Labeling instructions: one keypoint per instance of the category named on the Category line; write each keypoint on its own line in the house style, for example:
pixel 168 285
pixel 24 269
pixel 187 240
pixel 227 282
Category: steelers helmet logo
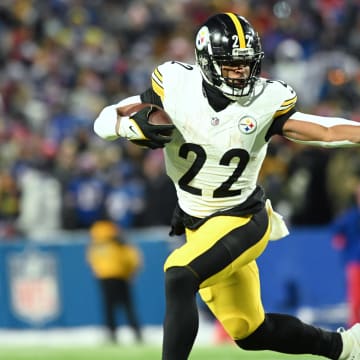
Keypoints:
pixel 247 125
pixel 202 38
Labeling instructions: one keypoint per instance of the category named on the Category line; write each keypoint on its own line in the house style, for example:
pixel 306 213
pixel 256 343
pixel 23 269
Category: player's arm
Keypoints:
pixel 321 131
pixel 107 124
pixel 112 123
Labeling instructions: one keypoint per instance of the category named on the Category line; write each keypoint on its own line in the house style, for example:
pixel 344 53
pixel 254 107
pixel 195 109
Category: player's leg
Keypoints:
pixel 206 258
pixel 287 334
pixel 109 294
pixel 181 316
pixel 236 303
pixel 130 310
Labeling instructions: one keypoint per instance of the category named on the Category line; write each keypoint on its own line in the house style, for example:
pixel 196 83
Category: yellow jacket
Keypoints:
pixel 108 257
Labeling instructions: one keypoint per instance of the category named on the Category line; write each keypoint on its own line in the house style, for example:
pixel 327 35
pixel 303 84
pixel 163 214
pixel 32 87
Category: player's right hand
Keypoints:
pixel 146 134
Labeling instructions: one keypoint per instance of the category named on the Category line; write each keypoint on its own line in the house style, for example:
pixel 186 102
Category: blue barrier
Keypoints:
pixel 305 263
pixel 46 285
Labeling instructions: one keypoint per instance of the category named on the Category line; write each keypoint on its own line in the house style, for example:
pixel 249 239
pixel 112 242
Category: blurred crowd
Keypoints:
pixel 63 60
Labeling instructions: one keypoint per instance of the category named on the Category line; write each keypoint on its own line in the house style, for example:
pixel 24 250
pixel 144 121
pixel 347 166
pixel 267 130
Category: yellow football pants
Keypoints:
pixel 233 293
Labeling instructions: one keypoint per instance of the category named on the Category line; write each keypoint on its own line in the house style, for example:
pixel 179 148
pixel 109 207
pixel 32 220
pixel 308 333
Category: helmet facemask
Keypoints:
pixel 232 86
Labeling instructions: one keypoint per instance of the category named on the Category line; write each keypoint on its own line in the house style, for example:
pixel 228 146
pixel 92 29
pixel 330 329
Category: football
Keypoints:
pixel 157 117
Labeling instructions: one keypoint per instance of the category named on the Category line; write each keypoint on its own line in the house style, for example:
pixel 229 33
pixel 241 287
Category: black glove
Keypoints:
pixel 152 136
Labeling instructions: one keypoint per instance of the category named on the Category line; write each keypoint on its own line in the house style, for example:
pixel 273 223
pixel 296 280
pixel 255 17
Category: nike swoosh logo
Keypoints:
pixel 133 129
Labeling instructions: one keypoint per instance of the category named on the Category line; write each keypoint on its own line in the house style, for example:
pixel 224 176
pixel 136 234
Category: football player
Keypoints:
pixel 224 115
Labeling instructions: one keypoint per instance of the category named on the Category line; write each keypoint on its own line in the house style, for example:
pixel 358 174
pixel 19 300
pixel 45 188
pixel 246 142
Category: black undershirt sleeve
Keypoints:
pixel 278 123
pixel 150 96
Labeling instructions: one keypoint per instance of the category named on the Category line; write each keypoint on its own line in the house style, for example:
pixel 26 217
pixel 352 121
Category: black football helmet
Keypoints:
pixel 228 39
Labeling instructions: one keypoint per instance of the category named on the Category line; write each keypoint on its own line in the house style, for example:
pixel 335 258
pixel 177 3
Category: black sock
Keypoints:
pixel 181 318
pixel 287 334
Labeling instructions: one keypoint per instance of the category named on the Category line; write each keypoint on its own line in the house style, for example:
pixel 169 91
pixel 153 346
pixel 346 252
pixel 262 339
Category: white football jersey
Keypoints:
pixel 215 157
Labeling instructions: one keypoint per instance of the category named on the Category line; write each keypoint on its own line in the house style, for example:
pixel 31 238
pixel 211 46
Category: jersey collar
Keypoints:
pixel 215 97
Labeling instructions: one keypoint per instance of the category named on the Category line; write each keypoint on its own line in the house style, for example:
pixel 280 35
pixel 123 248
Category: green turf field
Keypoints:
pixel 108 352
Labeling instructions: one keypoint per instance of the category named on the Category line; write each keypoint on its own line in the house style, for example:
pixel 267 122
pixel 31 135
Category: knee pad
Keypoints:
pixel 179 280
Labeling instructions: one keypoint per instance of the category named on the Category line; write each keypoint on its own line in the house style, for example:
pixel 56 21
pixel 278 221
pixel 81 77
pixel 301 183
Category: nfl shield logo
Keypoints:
pixel 215 121
pixel 34 286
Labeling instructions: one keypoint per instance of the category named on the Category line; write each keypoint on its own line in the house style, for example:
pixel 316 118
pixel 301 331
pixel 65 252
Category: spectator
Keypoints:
pixel 114 264
pixel 9 204
pixel 342 187
pixel 85 195
pixel 40 200
pixel 311 203
pixel 160 195
pixel 125 199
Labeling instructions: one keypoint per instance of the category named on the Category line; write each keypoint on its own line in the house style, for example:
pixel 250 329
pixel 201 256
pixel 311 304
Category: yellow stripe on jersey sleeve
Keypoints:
pixel 157 83
pixel 289 102
pixel 286 106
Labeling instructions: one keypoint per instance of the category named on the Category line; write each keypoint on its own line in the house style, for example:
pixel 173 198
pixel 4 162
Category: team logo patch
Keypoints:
pixel 202 38
pixel 247 125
